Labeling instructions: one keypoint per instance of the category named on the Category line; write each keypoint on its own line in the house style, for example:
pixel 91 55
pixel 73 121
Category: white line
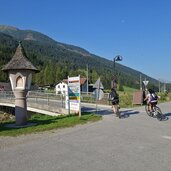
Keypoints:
pixel 167 137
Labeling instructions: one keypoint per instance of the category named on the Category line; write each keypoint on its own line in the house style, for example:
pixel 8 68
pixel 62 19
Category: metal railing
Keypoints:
pixel 49 101
pixel 36 99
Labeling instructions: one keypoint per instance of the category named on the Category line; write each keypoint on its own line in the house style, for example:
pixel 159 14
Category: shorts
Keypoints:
pixel 152 102
pixel 115 102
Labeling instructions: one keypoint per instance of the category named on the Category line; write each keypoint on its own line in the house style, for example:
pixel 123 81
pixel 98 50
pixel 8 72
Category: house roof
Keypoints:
pixel 82 81
pixel 19 61
pixel 61 82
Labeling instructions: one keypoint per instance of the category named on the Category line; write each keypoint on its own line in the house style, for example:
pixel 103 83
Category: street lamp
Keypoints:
pixel 116 58
pixel 114 81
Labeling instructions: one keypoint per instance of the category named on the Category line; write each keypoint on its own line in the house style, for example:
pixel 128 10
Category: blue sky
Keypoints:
pixel 139 30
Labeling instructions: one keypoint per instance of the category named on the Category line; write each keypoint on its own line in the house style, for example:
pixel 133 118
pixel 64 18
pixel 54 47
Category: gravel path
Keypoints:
pixel 134 143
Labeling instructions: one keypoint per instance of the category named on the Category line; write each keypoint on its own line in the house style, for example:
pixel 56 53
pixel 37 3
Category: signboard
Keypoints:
pixel 138 97
pixel 145 82
pixel 74 94
pixel 98 93
pixel 98 84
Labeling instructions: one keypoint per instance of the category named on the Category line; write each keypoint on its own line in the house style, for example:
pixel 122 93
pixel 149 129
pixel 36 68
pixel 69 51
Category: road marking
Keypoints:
pixel 167 137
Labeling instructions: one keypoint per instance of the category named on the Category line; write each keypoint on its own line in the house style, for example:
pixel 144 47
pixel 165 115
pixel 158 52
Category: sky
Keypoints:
pixel 138 30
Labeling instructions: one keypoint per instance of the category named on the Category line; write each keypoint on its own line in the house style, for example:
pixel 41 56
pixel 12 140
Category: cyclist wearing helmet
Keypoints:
pixel 151 99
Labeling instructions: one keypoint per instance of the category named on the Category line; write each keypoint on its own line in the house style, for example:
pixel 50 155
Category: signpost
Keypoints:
pixel 74 94
pixel 145 83
pixel 98 92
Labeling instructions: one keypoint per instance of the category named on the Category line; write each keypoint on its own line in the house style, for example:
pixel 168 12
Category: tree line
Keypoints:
pixel 57 62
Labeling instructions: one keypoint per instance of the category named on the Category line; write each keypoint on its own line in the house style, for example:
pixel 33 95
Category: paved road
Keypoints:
pixel 134 143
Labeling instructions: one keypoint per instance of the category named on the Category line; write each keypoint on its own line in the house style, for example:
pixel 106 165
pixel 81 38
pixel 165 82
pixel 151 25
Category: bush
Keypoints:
pixel 164 97
pixel 121 88
pixel 125 99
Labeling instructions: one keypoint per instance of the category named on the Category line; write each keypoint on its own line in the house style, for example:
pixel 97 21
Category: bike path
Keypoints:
pixel 135 143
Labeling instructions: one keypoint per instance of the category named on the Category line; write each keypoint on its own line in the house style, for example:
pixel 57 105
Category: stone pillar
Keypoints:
pixel 20 71
pixel 20 107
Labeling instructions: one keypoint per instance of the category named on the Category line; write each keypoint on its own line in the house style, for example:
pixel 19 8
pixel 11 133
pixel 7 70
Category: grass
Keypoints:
pixel 45 123
pixel 129 89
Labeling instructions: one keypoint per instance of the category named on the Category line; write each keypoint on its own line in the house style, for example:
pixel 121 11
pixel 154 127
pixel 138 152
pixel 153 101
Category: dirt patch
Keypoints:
pixel 5 116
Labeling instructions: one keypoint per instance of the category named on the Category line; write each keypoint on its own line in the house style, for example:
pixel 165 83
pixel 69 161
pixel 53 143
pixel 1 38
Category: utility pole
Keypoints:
pixel 140 82
pixel 159 87
pixel 164 87
pixel 87 78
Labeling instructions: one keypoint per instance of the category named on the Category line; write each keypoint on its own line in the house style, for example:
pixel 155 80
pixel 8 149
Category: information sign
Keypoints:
pixel 74 94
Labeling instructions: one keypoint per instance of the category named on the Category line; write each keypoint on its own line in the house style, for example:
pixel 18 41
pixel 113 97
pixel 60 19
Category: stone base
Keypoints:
pixel 19 126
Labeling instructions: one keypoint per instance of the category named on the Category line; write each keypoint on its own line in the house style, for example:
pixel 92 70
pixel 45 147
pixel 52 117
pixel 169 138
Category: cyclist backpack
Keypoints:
pixel 113 95
pixel 154 97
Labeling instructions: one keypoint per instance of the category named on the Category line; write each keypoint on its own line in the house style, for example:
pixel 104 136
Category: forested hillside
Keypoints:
pixel 57 60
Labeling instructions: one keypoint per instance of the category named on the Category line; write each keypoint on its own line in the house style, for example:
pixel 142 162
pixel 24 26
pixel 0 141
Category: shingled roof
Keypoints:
pixel 19 61
pixel 82 81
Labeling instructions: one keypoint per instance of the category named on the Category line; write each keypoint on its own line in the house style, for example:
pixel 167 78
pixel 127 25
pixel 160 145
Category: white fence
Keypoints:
pixel 49 101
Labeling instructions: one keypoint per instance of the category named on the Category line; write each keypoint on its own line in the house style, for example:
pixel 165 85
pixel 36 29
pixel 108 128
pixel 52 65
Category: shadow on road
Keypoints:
pixel 130 112
pixel 127 113
pixel 99 111
pixel 167 114
pixel 124 113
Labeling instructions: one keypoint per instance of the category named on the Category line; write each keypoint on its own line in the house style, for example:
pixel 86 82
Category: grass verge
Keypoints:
pixel 45 122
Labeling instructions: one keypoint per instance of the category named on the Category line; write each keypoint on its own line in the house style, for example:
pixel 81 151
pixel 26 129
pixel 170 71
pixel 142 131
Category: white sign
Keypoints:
pixel 98 93
pixel 145 82
pixel 74 94
pixel 98 84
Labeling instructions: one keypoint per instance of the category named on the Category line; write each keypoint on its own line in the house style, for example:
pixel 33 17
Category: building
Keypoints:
pixel 5 86
pixel 62 86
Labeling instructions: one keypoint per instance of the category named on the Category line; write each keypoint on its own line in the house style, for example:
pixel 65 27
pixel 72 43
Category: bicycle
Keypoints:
pixel 156 111
pixel 118 114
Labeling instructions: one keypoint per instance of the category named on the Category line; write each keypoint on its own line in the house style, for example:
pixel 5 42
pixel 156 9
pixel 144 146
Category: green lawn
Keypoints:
pixel 129 89
pixel 45 122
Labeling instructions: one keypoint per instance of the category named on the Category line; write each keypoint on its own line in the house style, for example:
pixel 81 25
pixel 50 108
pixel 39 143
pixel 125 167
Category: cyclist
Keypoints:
pixel 114 97
pixel 151 99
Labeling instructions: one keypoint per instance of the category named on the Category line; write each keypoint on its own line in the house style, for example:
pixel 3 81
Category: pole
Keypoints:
pixel 114 67
pixel 117 58
pixel 68 98
pixel 79 98
pixel 140 82
pixel 98 91
pixel 87 78
pixel 145 85
pixel 114 78
pixel 164 87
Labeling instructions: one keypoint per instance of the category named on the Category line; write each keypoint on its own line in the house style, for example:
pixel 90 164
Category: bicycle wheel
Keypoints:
pixel 159 113
pixel 147 111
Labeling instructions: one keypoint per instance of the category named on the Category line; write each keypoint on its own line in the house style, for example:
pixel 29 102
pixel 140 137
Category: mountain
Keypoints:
pixel 39 37
pixel 57 60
